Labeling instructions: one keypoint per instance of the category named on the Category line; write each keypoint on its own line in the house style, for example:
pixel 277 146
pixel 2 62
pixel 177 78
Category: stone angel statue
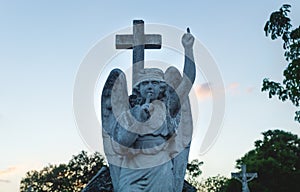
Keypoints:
pixel 147 134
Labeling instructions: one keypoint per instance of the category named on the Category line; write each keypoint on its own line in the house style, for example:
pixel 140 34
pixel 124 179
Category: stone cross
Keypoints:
pixel 138 41
pixel 244 178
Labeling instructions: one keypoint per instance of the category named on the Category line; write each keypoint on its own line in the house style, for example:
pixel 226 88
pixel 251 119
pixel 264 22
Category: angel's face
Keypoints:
pixel 150 89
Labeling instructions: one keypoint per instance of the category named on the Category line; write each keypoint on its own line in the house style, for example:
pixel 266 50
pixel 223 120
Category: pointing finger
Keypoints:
pixel 188 30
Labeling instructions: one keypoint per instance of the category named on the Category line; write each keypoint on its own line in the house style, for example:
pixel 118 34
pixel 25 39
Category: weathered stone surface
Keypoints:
pixel 147 135
pixel 244 178
pixel 102 182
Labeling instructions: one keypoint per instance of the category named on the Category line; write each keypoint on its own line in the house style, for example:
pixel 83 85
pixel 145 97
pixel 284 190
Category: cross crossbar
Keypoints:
pixel 138 41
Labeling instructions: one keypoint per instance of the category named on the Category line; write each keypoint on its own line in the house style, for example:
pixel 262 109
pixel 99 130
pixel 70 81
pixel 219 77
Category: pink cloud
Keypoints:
pixel 250 89
pixel 235 89
pixel 8 170
pixel 233 86
pixel 203 91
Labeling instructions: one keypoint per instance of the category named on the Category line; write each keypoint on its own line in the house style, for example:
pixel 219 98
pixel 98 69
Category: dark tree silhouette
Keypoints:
pixel 276 159
pixel 64 177
pixel 78 172
pixel 279 26
pixel 216 184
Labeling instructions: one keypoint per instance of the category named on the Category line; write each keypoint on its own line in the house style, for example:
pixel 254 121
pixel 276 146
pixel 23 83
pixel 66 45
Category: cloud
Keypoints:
pixel 233 87
pixel 250 89
pixel 203 91
pixel 8 170
pixel 236 89
pixel 4 181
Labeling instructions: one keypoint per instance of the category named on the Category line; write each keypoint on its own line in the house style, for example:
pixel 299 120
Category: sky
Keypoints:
pixel 43 44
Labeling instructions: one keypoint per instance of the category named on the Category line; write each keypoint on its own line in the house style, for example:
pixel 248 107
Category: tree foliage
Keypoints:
pixel 276 159
pixel 279 26
pixel 211 184
pixel 193 171
pixel 64 177
pixel 193 168
pixel 216 184
pixel 74 175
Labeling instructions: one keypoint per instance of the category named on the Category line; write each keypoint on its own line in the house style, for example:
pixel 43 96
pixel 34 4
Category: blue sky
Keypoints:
pixel 42 44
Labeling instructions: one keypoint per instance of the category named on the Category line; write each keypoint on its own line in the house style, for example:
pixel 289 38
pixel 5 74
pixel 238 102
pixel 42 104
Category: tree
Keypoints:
pixel 233 185
pixel 216 184
pixel 279 25
pixel 77 173
pixel 64 177
pixel 276 159
pixel 193 172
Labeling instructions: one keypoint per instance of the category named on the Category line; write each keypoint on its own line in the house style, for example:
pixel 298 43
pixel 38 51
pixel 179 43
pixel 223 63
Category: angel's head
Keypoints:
pixel 150 84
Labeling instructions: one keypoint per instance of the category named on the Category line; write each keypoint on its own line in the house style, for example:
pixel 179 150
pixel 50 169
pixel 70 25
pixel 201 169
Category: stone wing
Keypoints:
pixel 114 100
